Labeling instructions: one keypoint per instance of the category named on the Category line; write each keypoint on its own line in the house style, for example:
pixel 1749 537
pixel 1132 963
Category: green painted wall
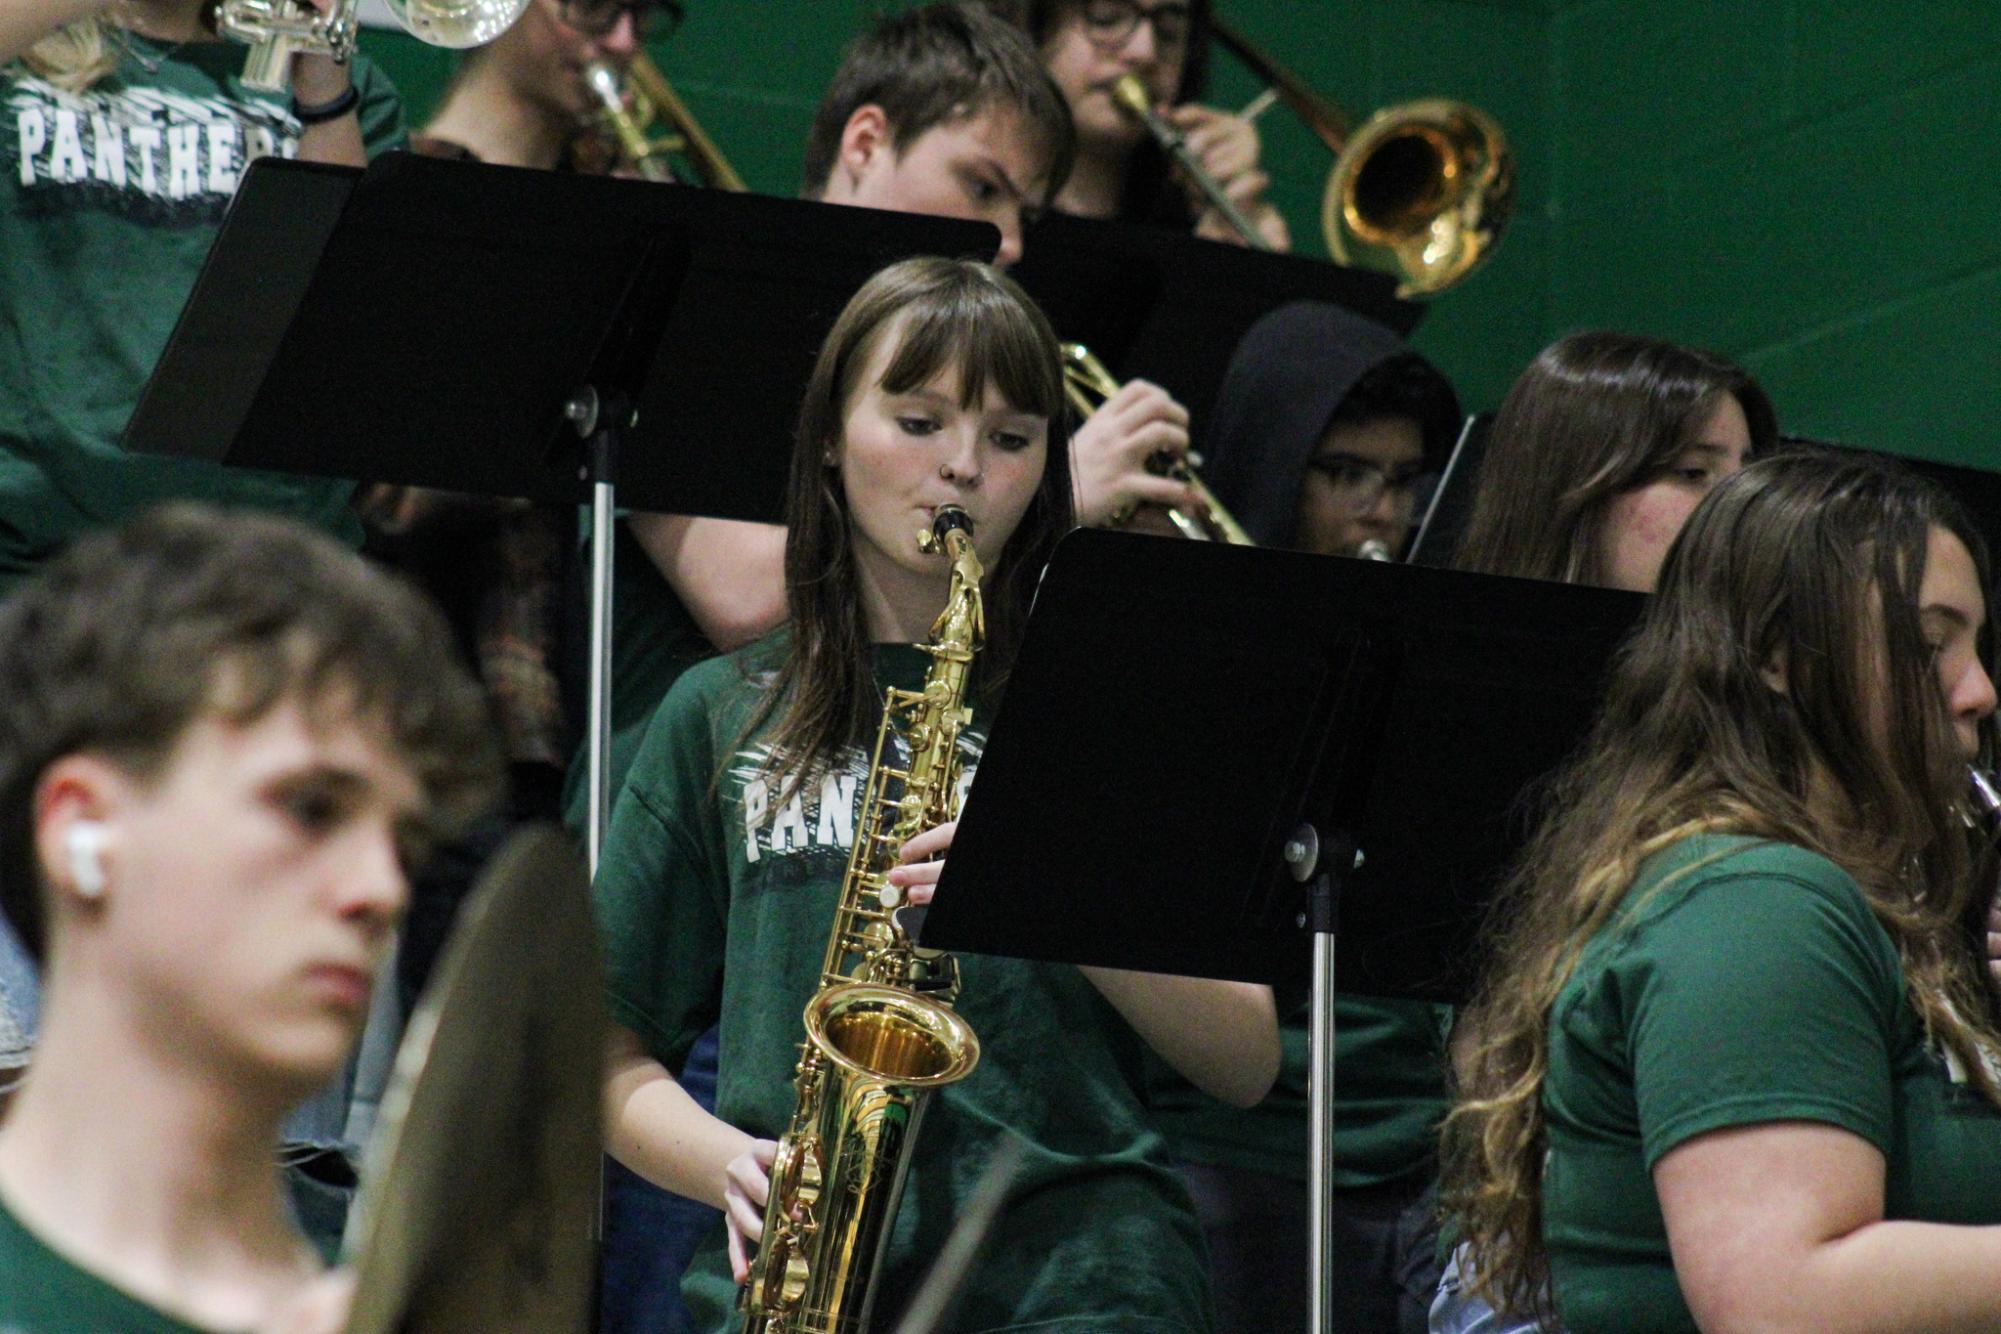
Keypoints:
pixel 1806 185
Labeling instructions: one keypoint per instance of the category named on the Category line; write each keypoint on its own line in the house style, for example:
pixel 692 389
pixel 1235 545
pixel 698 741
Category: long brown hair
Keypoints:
pixel 1594 415
pixel 949 313
pixel 1809 560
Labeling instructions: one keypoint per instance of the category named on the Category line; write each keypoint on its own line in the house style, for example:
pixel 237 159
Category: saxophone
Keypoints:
pixel 880 1032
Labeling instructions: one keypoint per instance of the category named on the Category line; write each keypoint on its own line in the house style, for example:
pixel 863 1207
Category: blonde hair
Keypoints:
pixel 76 55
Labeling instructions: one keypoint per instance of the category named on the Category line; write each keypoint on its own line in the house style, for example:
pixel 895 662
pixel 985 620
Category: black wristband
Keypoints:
pixel 326 111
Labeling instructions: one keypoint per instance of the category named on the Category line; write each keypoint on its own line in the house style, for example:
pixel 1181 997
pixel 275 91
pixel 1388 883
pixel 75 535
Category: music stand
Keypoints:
pixel 1451 507
pixel 520 333
pixel 1200 743
pixel 1171 308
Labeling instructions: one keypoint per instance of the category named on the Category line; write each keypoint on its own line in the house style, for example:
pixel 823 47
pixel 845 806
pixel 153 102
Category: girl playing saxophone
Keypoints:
pixel 938 386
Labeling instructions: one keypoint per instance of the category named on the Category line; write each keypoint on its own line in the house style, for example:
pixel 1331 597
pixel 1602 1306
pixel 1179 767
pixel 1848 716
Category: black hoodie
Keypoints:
pixel 1288 376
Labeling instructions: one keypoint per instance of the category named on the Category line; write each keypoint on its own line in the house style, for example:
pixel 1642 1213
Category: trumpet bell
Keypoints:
pixel 456 23
pixel 278 29
pixel 1423 191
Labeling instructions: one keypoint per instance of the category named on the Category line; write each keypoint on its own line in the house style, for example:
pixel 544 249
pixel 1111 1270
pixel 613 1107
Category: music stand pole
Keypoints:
pixel 599 418
pixel 1308 858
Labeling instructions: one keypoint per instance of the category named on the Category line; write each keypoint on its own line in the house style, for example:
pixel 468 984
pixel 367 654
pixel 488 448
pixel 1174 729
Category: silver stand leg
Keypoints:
pixel 598 722
pixel 1320 1152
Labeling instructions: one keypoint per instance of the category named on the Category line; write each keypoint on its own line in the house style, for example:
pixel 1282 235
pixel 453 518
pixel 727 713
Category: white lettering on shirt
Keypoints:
pixel 34 137
pixel 147 139
pixel 222 149
pixel 756 805
pixel 183 160
pixel 788 830
pixel 836 826
pixel 108 163
pixel 66 159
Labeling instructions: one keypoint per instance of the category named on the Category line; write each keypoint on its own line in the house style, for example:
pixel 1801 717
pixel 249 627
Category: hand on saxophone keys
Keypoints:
pixel 922 862
pixel 746 1192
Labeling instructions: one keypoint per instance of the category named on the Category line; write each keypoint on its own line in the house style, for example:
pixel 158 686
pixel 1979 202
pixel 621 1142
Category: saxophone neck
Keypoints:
pixel 961 628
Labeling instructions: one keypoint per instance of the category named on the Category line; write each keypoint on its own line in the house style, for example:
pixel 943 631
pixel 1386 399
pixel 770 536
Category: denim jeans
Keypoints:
pixel 651 1234
pixel 20 1004
pixel 1457 1310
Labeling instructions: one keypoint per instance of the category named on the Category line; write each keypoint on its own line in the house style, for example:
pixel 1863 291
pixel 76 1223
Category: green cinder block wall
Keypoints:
pixel 1809 186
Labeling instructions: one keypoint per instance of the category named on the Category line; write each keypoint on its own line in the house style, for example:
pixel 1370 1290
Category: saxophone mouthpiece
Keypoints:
pixel 947 518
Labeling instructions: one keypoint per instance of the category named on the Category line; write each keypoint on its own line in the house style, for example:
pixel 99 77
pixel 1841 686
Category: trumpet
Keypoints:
pixel 629 106
pixel 278 29
pixel 1088 384
pixel 1422 190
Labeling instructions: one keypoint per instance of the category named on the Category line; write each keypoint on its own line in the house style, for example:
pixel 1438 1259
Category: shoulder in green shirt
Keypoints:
pixel 109 201
pixel 715 897
pixel 1742 982
pixel 42 1292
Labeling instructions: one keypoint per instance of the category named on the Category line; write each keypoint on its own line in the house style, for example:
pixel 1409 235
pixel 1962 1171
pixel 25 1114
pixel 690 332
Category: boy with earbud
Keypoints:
pixel 222 740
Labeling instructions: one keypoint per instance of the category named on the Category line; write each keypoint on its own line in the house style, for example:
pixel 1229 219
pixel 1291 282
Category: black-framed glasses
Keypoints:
pixel 652 20
pixel 1361 483
pixel 1111 23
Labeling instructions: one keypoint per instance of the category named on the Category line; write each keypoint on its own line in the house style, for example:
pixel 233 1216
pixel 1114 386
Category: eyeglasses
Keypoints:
pixel 652 20
pixel 1361 483
pixel 1110 24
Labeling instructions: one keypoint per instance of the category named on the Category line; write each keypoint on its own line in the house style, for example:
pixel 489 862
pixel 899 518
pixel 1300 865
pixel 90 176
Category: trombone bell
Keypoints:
pixel 1423 191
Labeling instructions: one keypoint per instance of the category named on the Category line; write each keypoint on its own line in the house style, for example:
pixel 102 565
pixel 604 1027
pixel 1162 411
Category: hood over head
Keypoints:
pixel 1289 376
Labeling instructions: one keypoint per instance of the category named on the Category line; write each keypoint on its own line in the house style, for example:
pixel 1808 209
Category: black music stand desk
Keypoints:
pixel 519 333
pixel 1207 754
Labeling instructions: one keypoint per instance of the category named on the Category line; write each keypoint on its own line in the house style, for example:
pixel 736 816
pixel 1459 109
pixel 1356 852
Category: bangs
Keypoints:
pixel 978 331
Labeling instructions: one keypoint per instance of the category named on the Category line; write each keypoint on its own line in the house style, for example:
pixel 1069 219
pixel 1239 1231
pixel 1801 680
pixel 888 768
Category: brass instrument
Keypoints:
pixel 881 1034
pixel 1133 98
pixel 278 29
pixel 1422 190
pixel 1088 384
pixel 629 106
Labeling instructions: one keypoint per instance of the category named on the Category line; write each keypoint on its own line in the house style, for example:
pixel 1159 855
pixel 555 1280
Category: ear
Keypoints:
pixel 76 804
pixel 865 142
pixel 1774 671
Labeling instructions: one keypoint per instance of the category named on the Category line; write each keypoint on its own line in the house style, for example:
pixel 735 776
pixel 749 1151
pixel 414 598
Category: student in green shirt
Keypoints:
pixel 1602 448
pixel 1735 1063
pixel 939 384
pixel 221 738
pixel 124 130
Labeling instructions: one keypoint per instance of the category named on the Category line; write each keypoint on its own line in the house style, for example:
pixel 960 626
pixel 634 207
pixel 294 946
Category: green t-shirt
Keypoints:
pixel 716 902
pixel 41 1292
pixel 109 201
pixel 1389 1096
pixel 1755 986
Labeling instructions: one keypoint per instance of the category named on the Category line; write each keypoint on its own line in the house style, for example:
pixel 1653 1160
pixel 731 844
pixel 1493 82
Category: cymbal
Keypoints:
pixel 480 1189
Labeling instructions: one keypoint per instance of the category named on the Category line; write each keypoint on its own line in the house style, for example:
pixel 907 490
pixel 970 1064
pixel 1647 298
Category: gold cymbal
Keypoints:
pixel 480 1189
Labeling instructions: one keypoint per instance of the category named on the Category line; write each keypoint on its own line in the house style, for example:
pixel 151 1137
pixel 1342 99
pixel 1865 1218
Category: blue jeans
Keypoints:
pixel 1457 1310
pixel 20 1002
pixel 650 1234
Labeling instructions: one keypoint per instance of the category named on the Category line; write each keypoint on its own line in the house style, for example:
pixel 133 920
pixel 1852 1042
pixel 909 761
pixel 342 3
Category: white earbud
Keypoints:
pixel 84 842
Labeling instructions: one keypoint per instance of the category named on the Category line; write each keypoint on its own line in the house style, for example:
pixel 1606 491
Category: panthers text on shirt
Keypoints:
pixel 144 147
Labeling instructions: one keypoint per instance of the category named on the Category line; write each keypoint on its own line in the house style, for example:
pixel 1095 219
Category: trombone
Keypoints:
pixel 1088 384
pixel 1422 190
pixel 627 109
